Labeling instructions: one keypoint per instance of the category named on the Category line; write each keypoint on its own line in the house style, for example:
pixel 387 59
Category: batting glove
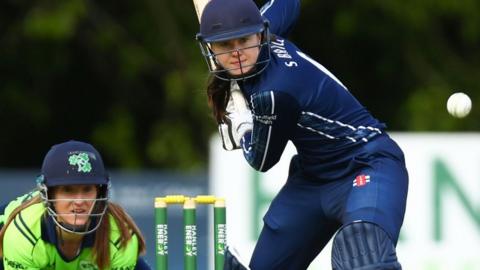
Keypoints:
pixel 237 121
pixel 234 127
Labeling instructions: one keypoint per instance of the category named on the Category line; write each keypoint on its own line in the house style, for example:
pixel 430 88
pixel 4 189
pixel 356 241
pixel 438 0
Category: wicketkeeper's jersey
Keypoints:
pixel 31 242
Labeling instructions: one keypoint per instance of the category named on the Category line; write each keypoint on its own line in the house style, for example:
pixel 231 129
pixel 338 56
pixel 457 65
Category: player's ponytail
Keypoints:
pixel 218 94
pixel 34 200
pixel 127 228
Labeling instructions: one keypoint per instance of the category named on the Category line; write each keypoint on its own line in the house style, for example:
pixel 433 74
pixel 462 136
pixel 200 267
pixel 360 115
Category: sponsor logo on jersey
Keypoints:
pixel 361 180
pixel 128 267
pixel 87 265
pixel 265 119
pixel 13 264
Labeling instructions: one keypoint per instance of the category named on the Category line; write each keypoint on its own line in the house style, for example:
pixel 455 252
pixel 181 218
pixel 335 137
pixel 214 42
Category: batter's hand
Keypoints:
pixel 237 121
pixel 234 127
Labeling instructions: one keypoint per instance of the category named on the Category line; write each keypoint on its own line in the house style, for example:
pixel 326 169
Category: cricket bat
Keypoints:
pixel 237 101
pixel 199 6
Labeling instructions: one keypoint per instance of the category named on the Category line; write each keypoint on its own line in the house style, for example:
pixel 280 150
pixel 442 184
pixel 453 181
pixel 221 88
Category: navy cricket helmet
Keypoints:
pixel 74 163
pixel 224 20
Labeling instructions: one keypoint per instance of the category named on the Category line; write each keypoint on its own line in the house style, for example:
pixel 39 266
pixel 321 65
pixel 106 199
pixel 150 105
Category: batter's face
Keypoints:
pixel 238 56
pixel 74 203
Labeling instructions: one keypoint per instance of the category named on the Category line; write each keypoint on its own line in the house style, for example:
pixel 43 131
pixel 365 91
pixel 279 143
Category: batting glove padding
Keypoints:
pixel 234 127
pixel 238 119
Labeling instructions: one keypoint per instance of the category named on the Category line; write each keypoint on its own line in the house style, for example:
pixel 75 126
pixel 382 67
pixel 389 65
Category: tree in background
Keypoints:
pixel 401 58
pixel 129 77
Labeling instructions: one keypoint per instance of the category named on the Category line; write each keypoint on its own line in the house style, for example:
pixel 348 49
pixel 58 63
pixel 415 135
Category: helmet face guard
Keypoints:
pixel 224 74
pixel 74 163
pixel 94 215
pixel 229 20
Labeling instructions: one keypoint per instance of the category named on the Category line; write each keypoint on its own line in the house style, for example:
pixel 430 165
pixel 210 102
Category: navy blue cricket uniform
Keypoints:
pixel 347 168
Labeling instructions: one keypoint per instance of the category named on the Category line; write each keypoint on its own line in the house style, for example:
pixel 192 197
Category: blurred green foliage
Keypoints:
pixel 128 76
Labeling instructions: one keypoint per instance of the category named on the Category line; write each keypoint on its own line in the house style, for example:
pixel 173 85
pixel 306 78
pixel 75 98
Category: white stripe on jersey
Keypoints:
pixel 269 132
pixel 266 6
pixel 322 68
pixel 331 121
pixel 317 131
pixel 340 124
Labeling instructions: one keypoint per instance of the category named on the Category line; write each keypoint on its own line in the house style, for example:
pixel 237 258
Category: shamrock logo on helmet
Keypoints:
pixel 82 161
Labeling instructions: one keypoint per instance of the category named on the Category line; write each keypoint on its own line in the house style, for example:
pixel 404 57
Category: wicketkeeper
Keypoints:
pixel 68 222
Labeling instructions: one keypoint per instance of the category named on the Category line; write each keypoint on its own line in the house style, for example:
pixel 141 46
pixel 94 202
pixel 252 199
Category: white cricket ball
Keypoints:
pixel 459 105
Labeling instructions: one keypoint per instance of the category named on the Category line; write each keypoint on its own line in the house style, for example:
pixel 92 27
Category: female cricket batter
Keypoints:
pixel 348 180
pixel 69 223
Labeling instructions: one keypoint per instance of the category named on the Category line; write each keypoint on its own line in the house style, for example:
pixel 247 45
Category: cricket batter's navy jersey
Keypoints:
pixel 347 168
pixel 297 99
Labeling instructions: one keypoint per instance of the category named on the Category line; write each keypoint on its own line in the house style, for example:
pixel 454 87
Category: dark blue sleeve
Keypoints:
pixel 2 208
pixel 2 212
pixel 275 117
pixel 282 15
